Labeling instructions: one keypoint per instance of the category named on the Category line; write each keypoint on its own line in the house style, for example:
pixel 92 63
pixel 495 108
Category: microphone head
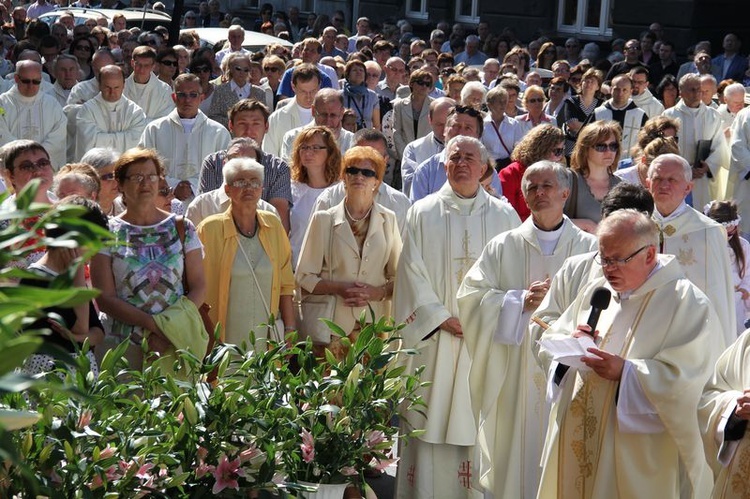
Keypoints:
pixel 600 298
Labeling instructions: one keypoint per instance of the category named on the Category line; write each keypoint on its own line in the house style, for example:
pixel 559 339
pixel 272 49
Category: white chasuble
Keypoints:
pixel 117 125
pixel 731 378
pixel 154 96
pixel 507 384
pixel 699 244
pixel 444 236
pixel 664 331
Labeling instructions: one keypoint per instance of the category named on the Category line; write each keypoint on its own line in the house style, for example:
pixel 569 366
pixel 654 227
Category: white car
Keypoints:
pixel 254 41
pixel 147 20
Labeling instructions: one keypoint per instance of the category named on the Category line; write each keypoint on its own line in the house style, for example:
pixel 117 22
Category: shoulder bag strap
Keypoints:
pixel 179 223
pixel 502 142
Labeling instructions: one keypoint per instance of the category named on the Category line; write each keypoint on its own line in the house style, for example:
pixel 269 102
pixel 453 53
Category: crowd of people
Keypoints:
pixel 483 191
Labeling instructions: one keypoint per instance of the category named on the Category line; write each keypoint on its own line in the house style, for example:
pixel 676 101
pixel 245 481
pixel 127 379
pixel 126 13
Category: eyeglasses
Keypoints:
pixel 244 70
pixel 373 75
pixel 396 70
pixel 612 146
pixel 201 70
pixel 424 83
pixel 107 176
pixel 168 63
pixel 164 191
pixel 535 100
pixel 30 167
pixel 138 178
pixel 247 184
pixel 29 81
pixel 474 113
pixel 271 69
pixel 82 47
pixel 617 262
pixel 187 95
pixel 353 170
pixel 558 151
pixel 312 148
pixel 640 82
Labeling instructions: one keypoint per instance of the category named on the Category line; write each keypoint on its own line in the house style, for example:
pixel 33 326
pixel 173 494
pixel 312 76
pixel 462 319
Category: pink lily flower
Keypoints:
pixel 226 474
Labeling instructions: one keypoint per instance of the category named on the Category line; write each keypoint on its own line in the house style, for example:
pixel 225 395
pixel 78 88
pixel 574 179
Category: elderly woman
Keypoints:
pixel 103 159
pixel 357 97
pixel 410 115
pixel 248 262
pixel 77 179
pixel 592 164
pixel 273 68
pixel 533 101
pixel 544 142
pixel 315 166
pixel 474 94
pixel 145 273
pixel 351 251
pixel 236 88
pixel 579 109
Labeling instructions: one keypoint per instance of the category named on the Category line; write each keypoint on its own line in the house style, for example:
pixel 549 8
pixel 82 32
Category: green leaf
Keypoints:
pixel 16 350
pixel 334 327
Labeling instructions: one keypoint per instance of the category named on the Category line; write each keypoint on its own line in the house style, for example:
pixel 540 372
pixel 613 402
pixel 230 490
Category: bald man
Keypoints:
pixel 87 89
pixel 110 119
pixel 31 114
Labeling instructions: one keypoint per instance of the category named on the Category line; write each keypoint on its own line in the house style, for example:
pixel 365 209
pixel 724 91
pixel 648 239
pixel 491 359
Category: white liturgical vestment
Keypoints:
pixel 154 97
pixel 639 436
pixel 38 118
pixel 117 125
pixel 445 234
pixel 511 409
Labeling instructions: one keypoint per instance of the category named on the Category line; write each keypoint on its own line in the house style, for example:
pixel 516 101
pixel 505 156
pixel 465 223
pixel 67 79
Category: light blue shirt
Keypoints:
pixel 430 176
pixel 474 60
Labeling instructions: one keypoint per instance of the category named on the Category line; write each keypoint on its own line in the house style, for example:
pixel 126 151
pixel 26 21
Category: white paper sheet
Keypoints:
pixel 569 350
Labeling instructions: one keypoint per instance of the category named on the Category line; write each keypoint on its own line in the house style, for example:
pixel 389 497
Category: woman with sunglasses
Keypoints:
pixel 83 50
pixel 351 250
pixel 166 65
pixel 410 115
pixel 202 69
pixel 314 166
pixel 533 101
pixel 593 162
pixel 547 56
pixel 142 274
pixel 579 109
pixel 543 142
pixel 248 262
pixel 360 99
pixel 236 88
pixel 103 159
pixel 273 68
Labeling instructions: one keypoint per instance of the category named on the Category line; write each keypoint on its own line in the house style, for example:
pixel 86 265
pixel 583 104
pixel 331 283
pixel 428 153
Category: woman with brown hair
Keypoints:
pixel 542 142
pixel 363 101
pixel 547 56
pixel 315 165
pixel 410 115
pixel 592 165
pixel 637 173
pixel 578 110
pixel 351 251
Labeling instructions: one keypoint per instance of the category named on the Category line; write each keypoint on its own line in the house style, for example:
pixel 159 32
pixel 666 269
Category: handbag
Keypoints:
pixel 312 308
pixel 205 307
pixel 275 330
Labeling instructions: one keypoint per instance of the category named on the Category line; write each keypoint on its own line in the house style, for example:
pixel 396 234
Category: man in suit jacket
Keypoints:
pixel 730 64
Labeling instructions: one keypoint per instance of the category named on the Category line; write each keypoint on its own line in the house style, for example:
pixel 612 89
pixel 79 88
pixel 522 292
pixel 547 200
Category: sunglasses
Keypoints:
pixel 535 100
pixel 353 170
pixel 424 83
pixel 83 47
pixel 474 113
pixel 271 69
pixel 187 95
pixel 28 166
pixel 244 70
pixel 107 176
pixel 169 63
pixel 312 148
pixel 164 191
pixel 202 70
pixel 558 151
pixel 29 81
pixel 612 146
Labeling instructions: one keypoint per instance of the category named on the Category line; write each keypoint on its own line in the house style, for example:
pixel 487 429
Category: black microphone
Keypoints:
pixel 599 301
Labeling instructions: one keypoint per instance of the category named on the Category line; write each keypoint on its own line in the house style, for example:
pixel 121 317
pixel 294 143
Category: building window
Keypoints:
pixel 416 9
pixel 467 11
pixel 585 17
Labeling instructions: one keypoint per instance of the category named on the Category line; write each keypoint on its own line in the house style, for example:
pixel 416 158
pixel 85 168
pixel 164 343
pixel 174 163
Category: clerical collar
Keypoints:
pixel 553 229
pixel 676 213
pixel 612 105
pixel 473 197
pixel 548 238
pixel 188 123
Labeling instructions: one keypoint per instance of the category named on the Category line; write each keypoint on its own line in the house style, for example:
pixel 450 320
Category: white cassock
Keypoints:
pixel 117 125
pixel 445 235
pixel 638 437
pixel 154 97
pixel 38 118
pixel 183 149
pixel 83 91
pixel 729 458
pixel 739 167
pixel 701 123
pixel 511 410
pixel 700 246
pixel 281 121
pixel 59 93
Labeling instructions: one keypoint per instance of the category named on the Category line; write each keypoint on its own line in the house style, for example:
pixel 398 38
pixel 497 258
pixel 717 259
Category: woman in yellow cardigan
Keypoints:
pixel 248 260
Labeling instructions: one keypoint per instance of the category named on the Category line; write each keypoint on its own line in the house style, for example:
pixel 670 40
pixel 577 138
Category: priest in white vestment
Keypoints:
pixel 624 111
pixel 723 415
pixel 698 242
pixel 145 89
pixel 109 119
pixel 700 127
pixel 66 76
pixel 624 419
pixel 495 303
pixel 739 169
pixel 445 233
pixel 33 115
pixel 186 135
